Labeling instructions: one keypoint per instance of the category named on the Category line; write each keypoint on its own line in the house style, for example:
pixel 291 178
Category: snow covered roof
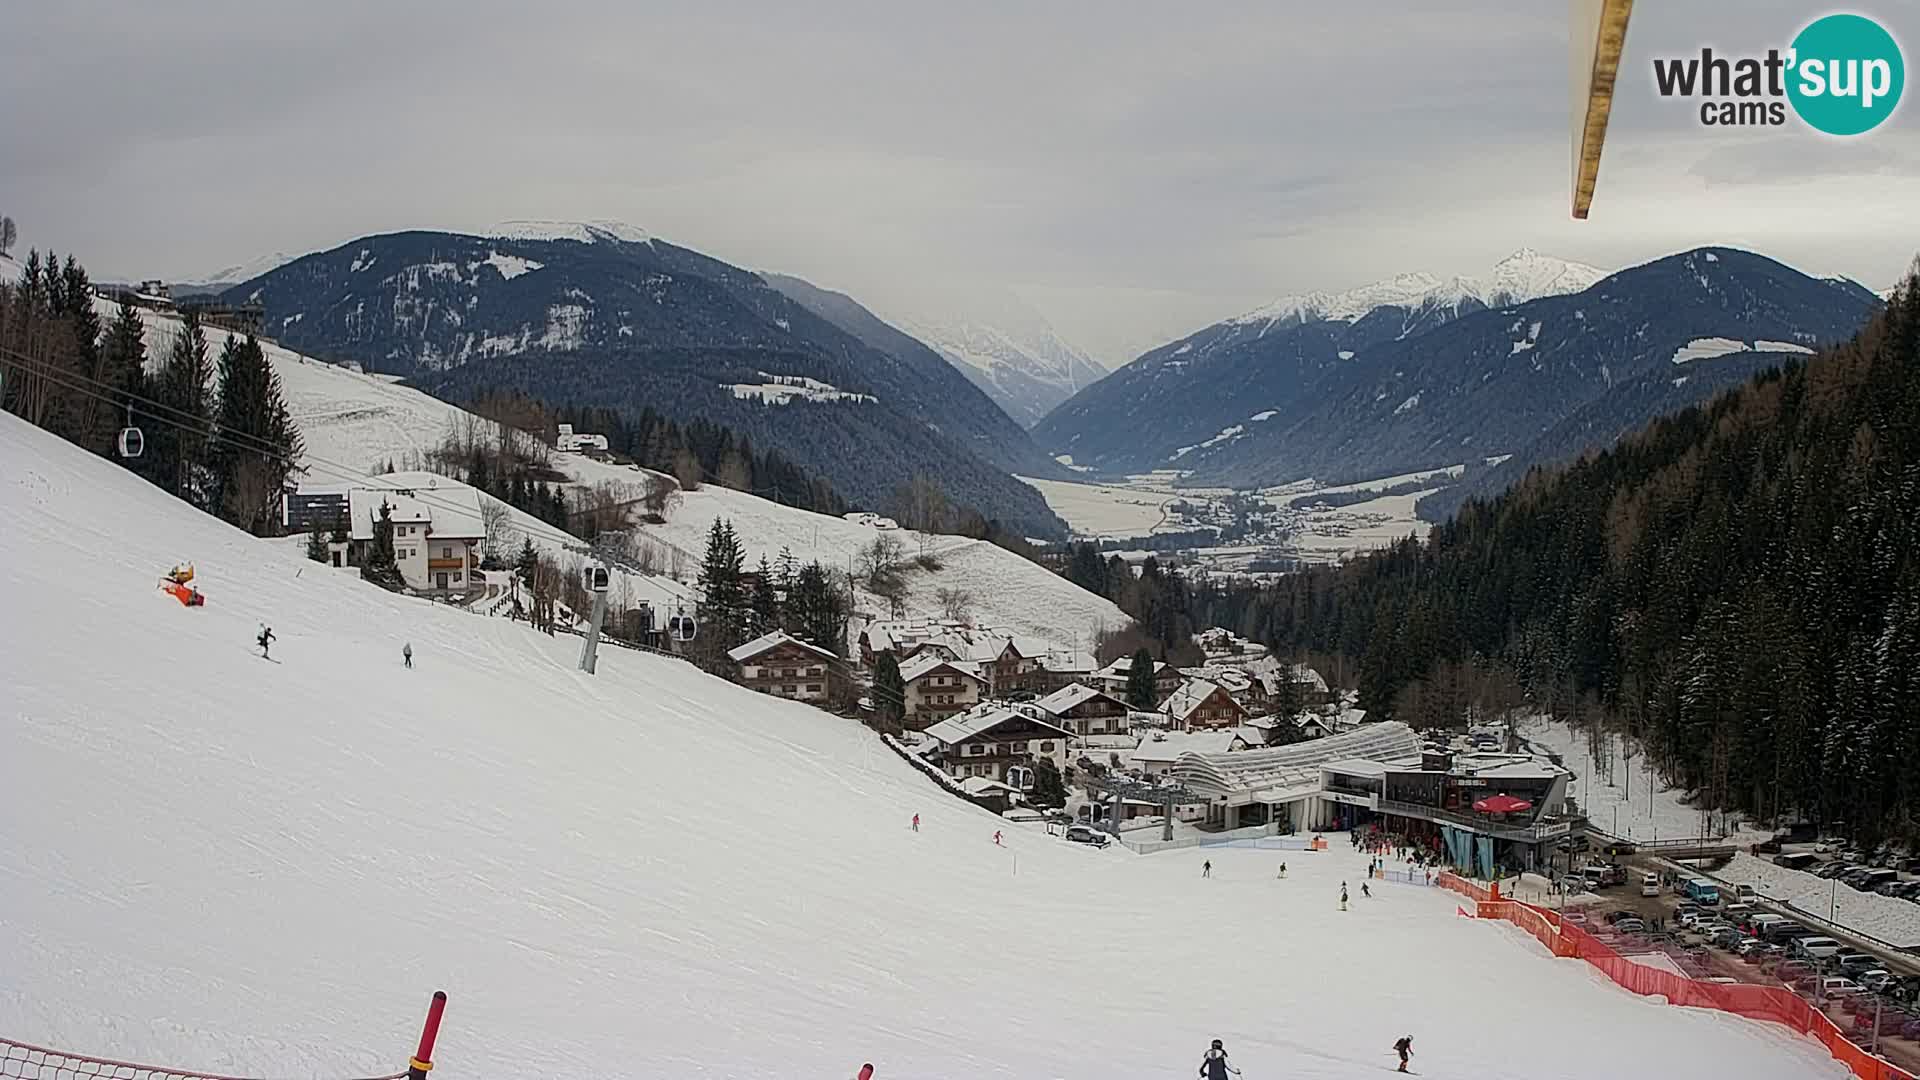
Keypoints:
pixel 927 663
pixel 1291 767
pixel 1107 742
pixel 1170 746
pixel 1357 767
pixel 449 508
pixel 1072 695
pixel 981 720
pixel 1120 668
pixel 1193 693
pixel 768 642
pixel 980 785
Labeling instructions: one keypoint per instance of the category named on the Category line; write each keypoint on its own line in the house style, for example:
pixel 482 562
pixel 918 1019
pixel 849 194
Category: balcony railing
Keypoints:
pixel 1532 833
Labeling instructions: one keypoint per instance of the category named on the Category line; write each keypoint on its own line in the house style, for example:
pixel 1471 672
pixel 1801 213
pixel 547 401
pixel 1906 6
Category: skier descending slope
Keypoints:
pixel 265 641
pixel 1403 1047
pixel 1215 1066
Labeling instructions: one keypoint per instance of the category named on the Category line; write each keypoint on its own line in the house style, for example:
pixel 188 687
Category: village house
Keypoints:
pixel 938 688
pixel 1085 711
pixel 437 529
pixel 783 666
pixel 1113 678
pixel 997 742
pixel 1202 704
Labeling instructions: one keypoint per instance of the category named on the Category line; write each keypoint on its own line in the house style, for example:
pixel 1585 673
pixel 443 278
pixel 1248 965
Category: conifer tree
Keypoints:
pixel 889 693
pixel 380 566
pixel 1141 690
pixel 255 442
pixel 317 545
pixel 185 436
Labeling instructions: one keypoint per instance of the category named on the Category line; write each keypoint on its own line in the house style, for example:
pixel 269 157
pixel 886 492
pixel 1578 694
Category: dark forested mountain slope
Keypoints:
pixel 1736 585
pixel 1403 388
pixel 606 316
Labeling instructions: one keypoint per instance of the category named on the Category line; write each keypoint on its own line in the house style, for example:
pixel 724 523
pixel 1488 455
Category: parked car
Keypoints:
pixel 1631 926
pixel 1836 986
pixel 1869 880
pixel 1729 938
pixel 1815 948
pixel 1649 884
pixel 1087 834
pixel 1830 869
pixel 1911 1029
pixel 1789 970
pixel 1852 964
pixel 1876 980
pixel 1786 934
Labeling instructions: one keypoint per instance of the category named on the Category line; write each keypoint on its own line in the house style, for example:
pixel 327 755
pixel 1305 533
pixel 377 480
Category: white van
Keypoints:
pixel 1759 923
pixel 1650 885
pixel 1816 948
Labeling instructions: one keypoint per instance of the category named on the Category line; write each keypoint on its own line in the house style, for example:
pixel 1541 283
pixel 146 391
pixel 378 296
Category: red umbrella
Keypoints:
pixel 1502 804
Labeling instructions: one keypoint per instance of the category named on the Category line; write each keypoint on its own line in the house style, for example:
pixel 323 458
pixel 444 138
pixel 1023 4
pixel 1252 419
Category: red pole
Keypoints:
pixel 422 1061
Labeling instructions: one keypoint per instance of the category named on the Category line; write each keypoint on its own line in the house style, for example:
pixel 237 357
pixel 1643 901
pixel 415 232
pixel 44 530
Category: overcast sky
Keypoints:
pixel 1136 170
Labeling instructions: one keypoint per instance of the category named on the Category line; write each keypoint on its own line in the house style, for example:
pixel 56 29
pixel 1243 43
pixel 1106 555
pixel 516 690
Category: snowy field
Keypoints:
pixel 1103 509
pixel 1009 593
pixel 1896 922
pixel 1663 816
pixel 1333 534
pixel 1327 534
pixel 263 868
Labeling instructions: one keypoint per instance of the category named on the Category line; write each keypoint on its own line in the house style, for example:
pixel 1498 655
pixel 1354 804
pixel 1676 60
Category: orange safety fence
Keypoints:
pixel 1775 1004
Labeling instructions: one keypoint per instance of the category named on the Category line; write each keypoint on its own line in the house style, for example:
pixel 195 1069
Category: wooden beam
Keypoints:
pixel 1599 35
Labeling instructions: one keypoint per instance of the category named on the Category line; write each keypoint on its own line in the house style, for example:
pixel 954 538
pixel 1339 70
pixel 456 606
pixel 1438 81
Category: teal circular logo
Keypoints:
pixel 1847 74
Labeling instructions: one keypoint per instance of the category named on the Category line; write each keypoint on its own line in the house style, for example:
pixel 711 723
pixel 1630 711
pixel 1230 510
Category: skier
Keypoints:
pixel 1343 896
pixel 1283 871
pixel 866 1072
pixel 996 838
pixel 1404 1048
pixel 1366 892
pixel 1215 1066
pixel 1206 869
pixel 406 653
pixel 916 823
pixel 265 639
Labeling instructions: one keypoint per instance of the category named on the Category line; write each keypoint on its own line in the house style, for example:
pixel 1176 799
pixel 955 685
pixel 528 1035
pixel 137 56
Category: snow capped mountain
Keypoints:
pixel 1018 358
pixel 1464 363
pixel 1522 276
pixel 1401 290
pixel 586 232
pixel 246 271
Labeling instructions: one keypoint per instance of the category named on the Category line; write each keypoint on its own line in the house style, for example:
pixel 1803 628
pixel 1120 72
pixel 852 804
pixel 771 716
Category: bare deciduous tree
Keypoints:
pixel 8 234
pixel 879 564
pixel 956 604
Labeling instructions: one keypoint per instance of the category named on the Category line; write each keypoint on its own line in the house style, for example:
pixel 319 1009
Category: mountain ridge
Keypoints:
pixel 609 315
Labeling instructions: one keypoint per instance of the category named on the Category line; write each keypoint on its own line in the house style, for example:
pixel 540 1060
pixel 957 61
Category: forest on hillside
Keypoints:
pixel 1734 591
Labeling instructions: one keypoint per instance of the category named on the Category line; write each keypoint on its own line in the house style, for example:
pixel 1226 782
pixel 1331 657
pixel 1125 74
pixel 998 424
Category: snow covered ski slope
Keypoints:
pixel 262 869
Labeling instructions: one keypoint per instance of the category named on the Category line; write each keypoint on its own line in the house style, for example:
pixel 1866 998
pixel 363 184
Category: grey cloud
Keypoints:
pixel 1132 168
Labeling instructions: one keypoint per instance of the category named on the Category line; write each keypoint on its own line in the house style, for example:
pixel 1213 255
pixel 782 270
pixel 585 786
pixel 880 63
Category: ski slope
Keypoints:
pixel 213 861
pixel 1009 593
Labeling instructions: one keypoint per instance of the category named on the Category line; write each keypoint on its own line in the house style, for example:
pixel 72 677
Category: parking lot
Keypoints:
pixel 1747 939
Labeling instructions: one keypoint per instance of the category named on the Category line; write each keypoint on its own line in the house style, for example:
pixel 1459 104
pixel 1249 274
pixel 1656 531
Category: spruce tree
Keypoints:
pixel 527 563
pixel 380 566
pixel 889 693
pixel 763 604
pixel 317 545
pixel 723 600
pixel 185 438
pixel 124 355
pixel 817 609
pixel 255 443
pixel 1141 691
